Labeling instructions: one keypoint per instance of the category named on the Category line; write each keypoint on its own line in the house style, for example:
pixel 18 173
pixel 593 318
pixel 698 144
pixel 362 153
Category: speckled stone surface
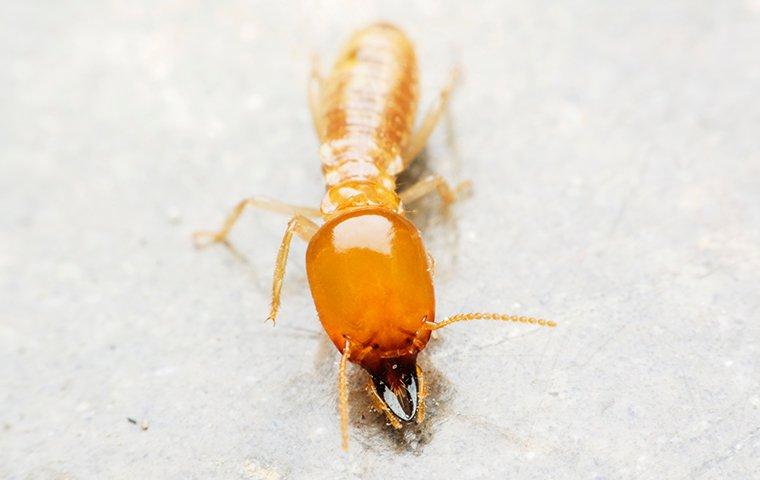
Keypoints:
pixel 615 153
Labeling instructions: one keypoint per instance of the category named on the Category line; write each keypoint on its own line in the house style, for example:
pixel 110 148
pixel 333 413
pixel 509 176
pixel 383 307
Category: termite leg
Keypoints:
pixel 430 183
pixel 316 81
pixel 463 317
pixel 420 137
pixel 305 229
pixel 431 264
pixel 343 395
pixel 205 237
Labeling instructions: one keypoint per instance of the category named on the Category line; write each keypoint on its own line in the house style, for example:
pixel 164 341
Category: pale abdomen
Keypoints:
pixel 368 106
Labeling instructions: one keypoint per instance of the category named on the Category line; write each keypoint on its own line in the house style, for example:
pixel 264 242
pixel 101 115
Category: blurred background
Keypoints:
pixel 614 149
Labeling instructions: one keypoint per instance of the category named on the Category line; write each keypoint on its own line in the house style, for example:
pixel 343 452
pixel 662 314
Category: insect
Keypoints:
pixel 368 270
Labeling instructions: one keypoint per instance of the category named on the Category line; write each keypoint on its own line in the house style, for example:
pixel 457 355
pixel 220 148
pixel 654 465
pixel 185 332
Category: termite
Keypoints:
pixel 369 272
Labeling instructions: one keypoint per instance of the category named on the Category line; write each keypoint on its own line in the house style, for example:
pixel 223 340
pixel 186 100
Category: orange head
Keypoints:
pixel 370 279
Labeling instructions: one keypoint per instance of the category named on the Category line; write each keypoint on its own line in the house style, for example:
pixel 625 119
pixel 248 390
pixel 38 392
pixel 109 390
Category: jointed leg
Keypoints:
pixel 305 229
pixel 315 97
pixel 420 137
pixel 343 395
pixel 204 237
pixel 462 317
pixel 431 264
pixel 428 184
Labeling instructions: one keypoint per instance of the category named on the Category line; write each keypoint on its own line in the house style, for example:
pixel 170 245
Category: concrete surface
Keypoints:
pixel 615 152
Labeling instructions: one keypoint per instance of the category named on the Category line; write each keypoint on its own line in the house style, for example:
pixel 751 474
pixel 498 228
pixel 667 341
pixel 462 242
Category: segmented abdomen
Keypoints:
pixel 368 104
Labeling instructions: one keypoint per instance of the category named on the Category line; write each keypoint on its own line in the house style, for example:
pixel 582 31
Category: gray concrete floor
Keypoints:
pixel 615 153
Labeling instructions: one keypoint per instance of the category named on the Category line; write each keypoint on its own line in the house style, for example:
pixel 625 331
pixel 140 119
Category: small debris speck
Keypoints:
pixel 143 423
pixel 173 215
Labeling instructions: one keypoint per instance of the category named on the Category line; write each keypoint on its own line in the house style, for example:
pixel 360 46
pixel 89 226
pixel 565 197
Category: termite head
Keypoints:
pixel 371 284
pixel 396 385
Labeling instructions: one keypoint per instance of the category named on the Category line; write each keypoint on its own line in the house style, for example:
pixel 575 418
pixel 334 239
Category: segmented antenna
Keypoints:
pixel 422 393
pixel 463 317
pixel 343 396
